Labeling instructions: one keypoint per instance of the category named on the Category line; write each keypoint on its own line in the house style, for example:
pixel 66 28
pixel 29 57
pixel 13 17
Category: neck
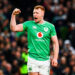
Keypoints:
pixel 41 21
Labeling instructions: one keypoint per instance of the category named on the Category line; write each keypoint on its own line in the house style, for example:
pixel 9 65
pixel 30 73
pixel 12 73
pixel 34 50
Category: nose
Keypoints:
pixel 34 14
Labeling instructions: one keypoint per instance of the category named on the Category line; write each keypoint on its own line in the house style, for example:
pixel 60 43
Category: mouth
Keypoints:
pixel 35 18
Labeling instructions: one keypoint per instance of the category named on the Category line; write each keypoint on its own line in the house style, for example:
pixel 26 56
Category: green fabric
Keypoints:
pixel 39 39
pixel 25 56
pixel 23 68
pixel 18 34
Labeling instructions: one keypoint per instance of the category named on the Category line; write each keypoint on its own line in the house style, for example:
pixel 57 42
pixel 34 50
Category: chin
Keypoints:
pixel 36 21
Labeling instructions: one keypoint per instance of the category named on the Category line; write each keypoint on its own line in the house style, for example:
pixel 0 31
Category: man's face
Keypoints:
pixel 38 15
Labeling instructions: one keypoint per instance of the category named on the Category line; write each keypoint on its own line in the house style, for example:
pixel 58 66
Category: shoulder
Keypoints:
pixel 50 25
pixel 29 21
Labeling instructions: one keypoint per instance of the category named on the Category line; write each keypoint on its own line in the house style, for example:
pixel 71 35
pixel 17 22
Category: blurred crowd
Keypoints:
pixel 12 44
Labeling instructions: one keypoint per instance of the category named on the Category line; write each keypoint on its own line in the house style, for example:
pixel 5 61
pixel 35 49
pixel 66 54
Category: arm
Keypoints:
pixel 13 25
pixel 55 46
pixel 56 50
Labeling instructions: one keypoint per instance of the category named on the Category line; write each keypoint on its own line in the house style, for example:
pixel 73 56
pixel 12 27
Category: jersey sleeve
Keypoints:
pixel 53 31
pixel 25 24
pixel 18 34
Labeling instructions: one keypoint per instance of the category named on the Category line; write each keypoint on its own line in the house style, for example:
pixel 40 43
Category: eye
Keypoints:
pixel 35 13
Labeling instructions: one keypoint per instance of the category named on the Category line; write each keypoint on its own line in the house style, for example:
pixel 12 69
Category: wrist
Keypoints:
pixel 55 58
pixel 13 14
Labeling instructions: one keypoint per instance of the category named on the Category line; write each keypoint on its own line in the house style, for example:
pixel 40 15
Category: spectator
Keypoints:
pixel 23 68
pixel 68 47
pixel 15 67
pixel 1 72
pixel 63 63
pixel 8 69
pixel 66 71
pixel 73 71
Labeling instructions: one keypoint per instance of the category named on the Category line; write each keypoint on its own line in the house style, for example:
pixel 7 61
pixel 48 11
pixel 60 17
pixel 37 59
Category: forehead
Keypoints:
pixel 37 10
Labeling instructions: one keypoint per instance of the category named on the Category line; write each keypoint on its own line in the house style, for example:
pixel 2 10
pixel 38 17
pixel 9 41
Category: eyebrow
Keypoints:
pixel 35 12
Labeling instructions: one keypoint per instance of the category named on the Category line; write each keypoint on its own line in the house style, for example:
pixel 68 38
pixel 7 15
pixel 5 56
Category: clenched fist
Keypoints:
pixel 16 11
pixel 54 62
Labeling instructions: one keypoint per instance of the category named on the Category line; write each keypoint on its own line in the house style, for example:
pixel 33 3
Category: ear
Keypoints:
pixel 42 15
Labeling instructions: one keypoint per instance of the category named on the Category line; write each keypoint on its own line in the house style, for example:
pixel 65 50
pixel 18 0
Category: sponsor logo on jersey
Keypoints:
pixel 34 27
pixel 45 29
pixel 39 40
pixel 39 34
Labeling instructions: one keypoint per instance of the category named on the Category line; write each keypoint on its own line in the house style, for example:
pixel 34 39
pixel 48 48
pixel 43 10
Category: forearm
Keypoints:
pixel 56 50
pixel 13 22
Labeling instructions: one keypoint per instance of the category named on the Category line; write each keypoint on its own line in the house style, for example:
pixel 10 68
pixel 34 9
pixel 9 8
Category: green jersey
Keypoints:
pixel 39 39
